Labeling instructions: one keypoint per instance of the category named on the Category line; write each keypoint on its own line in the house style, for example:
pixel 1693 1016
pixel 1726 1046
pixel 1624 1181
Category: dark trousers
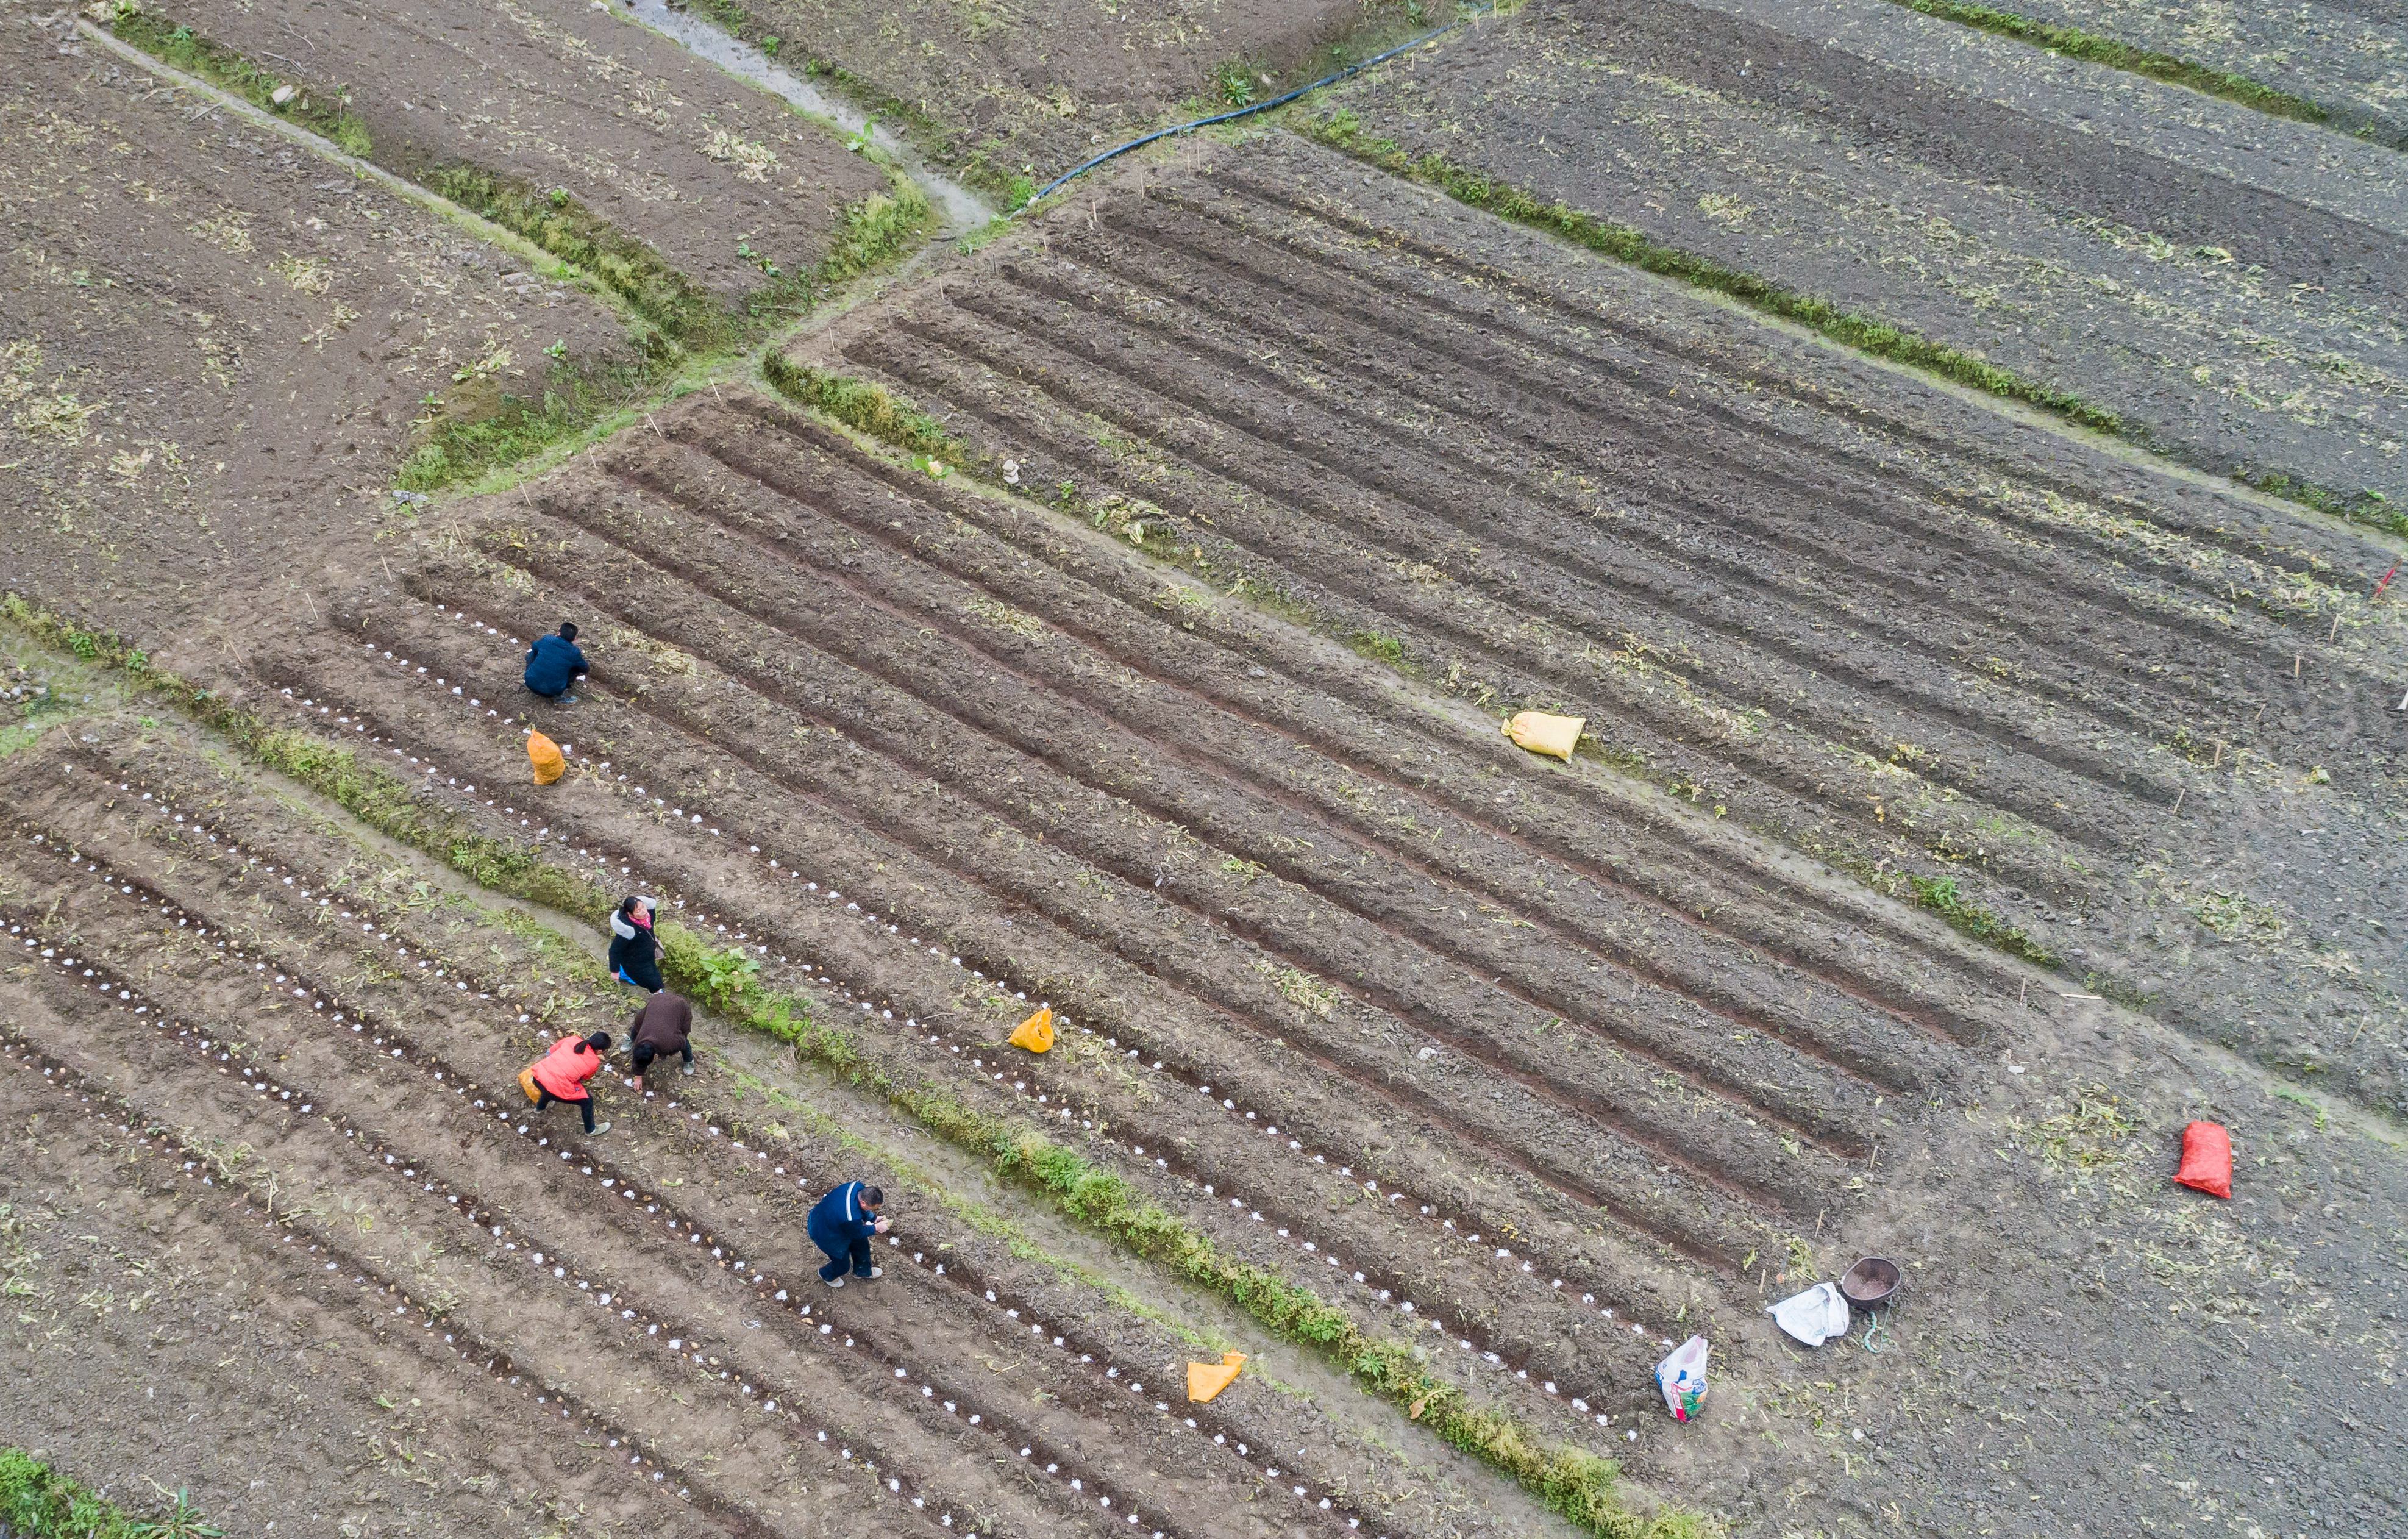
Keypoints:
pixel 584 1108
pixel 855 1256
pixel 643 1053
pixel 647 979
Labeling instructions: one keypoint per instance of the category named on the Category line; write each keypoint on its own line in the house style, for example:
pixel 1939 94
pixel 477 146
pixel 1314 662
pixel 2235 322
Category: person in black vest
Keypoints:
pixel 634 952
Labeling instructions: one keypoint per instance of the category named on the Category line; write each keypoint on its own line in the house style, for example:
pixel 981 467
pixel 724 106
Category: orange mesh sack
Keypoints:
pixel 1036 1034
pixel 1207 1379
pixel 2207 1160
pixel 526 1082
pixel 545 754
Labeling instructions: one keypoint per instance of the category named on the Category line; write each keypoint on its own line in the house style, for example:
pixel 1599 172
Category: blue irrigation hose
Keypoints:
pixel 1193 124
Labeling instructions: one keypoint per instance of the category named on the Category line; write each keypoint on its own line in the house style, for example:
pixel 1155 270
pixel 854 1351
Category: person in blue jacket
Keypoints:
pixel 841 1224
pixel 554 664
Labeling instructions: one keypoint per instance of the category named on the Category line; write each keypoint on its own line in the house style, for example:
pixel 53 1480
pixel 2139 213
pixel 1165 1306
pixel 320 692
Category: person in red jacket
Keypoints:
pixel 561 1076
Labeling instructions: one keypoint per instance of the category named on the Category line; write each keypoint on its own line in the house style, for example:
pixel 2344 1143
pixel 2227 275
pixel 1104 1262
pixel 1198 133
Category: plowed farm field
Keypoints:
pixel 2064 709
pixel 1118 618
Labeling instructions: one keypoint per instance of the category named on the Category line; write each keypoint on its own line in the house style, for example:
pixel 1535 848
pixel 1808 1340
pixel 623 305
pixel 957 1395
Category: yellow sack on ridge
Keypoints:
pixel 1207 1379
pixel 546 756
pixel 1543 734
pixel 1036 1033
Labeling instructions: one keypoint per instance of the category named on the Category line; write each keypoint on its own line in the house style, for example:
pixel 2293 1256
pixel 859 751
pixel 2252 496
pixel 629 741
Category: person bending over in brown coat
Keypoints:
pixel 660 1028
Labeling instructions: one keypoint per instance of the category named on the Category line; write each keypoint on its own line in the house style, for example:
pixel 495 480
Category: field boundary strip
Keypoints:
pixel 1581 1485
pixel 1855 329
pixel 2165 68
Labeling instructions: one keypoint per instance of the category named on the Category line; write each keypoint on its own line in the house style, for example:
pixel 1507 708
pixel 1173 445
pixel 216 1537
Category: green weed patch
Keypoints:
pixel 1940 895
pixel 322 108
pixel 1581 1485
pixel 866 406
pixel 36 1503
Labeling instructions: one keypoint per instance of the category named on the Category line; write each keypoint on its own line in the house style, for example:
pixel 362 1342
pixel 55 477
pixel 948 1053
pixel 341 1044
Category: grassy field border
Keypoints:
pixel 1581 1487
pixel 1342 131
pixel 38 1503
pixel 2171 69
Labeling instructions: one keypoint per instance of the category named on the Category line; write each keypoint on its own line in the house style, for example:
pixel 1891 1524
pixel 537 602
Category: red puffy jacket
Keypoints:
pixel 562 1072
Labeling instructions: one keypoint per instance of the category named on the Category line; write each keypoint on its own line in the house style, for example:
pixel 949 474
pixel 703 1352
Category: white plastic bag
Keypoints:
pixel 1682 1377
pixel 1814 1316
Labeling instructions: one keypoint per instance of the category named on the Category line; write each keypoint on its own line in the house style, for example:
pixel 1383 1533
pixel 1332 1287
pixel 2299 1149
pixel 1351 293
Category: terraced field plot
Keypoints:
pixel 220 984
pixel 547 102
pixel 207 326
pixel 2223 282
pixel 1836 608
pixel 1118 616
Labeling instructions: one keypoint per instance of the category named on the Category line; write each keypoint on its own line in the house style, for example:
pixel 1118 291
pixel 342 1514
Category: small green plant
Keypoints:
pixel 557 353
pixel 1234 83
pixel 726 976
pixel 770 45
pixel 1940 895
pixel 861 139
pixel 36 1502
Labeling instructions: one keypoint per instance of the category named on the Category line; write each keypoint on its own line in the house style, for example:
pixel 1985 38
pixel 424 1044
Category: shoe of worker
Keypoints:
pixel 600 1129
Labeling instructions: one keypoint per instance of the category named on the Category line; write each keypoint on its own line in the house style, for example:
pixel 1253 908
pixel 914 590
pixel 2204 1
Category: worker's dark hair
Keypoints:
pixel 569 630
pixel 627 904
pixel 871 1197
pixel 600 1041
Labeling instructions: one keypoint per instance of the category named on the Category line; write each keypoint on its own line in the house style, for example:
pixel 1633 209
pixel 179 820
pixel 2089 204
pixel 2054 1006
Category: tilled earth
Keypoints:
pixel 225 995
pixel 2226 281
pixel 559 93
pixel 1841 609
pixel 213 342
pixel 1000 90
pixel 1965 807
pixel 2349 57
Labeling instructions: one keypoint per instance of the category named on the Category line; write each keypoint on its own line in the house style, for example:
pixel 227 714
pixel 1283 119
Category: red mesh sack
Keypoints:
pixel 2207 1160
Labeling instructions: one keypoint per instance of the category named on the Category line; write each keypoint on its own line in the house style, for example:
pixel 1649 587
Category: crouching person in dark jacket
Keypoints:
pixel 661 1028
pixel 554 664
pixel 633 949
pixel 841 1224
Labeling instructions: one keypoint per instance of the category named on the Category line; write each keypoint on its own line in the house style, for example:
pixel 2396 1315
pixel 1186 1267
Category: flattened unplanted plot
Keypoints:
pixel 544 98
pixel 215 344
pixel 2224 282
pixel 1844 609
pixel 2350 57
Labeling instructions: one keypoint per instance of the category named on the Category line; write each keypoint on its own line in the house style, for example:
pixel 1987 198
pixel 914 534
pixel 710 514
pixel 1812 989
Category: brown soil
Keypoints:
pixel 1824 619
pixel 559 93
pixel 1190 731
pixel 1003 91
pixel 162 905
pixel 216 341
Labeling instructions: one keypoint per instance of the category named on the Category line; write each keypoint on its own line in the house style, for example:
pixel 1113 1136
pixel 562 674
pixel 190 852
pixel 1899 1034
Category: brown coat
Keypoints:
pixel 662 1025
